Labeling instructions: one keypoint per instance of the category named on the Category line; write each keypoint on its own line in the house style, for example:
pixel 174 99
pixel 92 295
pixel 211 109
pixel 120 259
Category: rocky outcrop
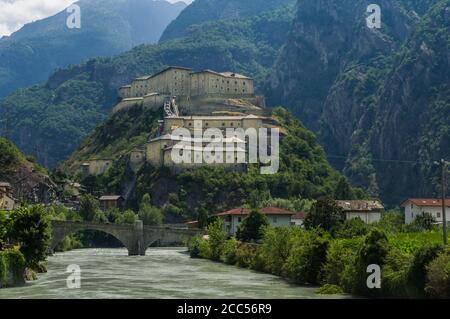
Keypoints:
pixel 347 83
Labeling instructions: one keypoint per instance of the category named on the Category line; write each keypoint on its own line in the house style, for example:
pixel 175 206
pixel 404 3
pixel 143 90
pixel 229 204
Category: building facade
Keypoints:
pixel 368 211
pixel 414 207
pixel 181 81
pixel 275 216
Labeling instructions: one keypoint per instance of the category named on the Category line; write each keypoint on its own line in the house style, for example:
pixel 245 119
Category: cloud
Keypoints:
pixel 15 13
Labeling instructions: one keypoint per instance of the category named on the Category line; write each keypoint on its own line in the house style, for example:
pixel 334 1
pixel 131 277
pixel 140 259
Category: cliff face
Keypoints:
pixel 346 82
pixel 30 183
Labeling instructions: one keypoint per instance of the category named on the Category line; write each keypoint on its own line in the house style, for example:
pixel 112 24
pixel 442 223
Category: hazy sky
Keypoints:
pixel 15 13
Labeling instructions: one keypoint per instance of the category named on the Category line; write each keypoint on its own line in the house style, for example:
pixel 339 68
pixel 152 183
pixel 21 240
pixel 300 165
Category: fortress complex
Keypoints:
pixel 195 101
pixel 200 92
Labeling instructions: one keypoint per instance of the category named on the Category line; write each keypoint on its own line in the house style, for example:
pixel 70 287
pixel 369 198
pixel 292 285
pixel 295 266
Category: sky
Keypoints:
pixel 15 13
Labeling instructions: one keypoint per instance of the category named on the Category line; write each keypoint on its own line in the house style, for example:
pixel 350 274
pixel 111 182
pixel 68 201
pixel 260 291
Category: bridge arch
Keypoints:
pixel 166 236
pixel 123 233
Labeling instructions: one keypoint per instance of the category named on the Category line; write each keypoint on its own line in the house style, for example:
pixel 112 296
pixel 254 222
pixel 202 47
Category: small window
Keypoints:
pixel 239 219
pixel 438 215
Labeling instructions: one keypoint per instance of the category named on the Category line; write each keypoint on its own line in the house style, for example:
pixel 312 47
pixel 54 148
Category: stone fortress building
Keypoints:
pixel 216 100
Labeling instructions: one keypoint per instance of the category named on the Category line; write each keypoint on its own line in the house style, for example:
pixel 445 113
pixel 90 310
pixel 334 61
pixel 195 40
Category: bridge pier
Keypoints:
pixel 137 246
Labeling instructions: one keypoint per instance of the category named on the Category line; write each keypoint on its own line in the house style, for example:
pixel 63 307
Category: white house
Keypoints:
pixel 368 210
pixel 276 217
pixel 298 219
pixel 417 206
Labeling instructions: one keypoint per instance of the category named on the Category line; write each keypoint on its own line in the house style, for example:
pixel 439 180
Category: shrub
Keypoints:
pixel 354 227
pixel 328 289
pixel 394 274
pixel 307 256
pixel 276 248
pixel 128 217
pixel 340 255
pixel 31 229
pixel 205 250
pixel 373 251
pixel 391 222
pixel 245 255
pixel 417 272
pixel 438 276
pixel 194 246
pixel 229 251
pixel 12 266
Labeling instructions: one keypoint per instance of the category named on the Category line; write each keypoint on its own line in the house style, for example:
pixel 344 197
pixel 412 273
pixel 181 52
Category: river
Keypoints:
pixel 162 273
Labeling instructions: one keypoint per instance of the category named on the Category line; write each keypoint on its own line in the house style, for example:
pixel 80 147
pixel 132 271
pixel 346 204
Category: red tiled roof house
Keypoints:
pixel 417 206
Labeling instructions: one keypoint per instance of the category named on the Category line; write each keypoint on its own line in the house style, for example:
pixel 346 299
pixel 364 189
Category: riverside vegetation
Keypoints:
pixel 335 253
pixel 24 238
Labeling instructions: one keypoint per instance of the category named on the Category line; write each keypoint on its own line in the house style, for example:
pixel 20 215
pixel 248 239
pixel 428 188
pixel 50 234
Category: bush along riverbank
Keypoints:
pixel 12 268
pixel 413 265
pixel 27 229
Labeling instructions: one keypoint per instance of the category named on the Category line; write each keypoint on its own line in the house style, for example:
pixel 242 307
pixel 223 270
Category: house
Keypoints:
pixel 276 217
pixel 111 201
pixel 7 201
pixel 417 206
pixel 298 219
pixel 368 210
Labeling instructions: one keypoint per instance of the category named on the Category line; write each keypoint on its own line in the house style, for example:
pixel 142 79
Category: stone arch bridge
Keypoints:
pixel 136 238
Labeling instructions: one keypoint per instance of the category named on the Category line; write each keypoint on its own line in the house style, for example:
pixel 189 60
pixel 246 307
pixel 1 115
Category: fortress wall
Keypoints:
pixel 127 104
pixel 153 102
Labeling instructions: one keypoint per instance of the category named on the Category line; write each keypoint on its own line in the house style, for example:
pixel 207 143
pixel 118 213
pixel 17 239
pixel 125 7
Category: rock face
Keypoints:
pixel 30 183
pixel 201 11
pixel 367 92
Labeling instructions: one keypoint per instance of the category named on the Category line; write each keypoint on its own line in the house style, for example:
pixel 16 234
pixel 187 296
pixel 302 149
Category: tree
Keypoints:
pixel 354 227
pixel 326 214
pixel 373 252
pixel 128 217
pixel 203 217
pixel 88 207
pixel 343 189
pixel 149 214
pixel 30 228
pixel 251 228
pixel 217 237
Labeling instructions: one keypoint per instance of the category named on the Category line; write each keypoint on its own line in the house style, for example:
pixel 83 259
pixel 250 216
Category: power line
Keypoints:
pixel 383 160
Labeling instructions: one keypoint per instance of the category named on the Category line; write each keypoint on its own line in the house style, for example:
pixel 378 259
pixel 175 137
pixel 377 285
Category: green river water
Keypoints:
pixel 162 273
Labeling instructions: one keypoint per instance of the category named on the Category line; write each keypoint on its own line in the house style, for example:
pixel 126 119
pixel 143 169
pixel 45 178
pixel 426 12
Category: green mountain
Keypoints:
pixel 201 11
pixel 50 120
pixel 372 95
pixel 304 171
pixel 108 27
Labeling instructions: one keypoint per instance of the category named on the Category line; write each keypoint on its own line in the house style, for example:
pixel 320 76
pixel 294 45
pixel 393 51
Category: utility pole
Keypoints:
pixel 444 187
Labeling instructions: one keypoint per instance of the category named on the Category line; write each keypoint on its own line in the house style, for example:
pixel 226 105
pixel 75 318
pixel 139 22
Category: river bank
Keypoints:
pixel 162 273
